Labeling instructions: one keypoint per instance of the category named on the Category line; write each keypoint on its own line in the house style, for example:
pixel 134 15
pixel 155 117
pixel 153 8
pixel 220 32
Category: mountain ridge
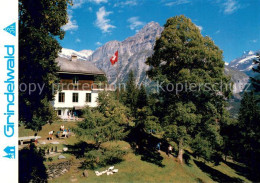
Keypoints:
pixel 245 62
pixel 133 52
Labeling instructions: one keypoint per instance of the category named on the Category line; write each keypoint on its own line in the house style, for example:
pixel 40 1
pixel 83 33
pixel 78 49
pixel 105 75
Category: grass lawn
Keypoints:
pixel 133 169
pixel 44 133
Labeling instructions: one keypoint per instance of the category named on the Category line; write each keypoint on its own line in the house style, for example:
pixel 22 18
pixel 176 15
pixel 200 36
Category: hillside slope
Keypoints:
pixel 134 169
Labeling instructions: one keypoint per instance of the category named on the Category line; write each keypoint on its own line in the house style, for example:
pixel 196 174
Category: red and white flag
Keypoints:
pixel 114 58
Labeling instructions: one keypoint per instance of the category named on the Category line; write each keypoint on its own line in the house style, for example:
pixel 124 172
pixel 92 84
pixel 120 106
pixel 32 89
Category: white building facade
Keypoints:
pixel 77 88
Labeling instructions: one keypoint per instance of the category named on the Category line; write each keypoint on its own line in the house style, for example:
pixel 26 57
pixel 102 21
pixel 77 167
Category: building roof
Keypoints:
pixel 77 67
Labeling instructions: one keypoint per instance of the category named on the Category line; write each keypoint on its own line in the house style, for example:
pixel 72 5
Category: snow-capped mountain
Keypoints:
pixel 245 62
pixel 86 52
pixel 83 55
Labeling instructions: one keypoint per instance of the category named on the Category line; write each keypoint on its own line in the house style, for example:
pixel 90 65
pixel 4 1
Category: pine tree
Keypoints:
pixel 256 80
pixel 184 58
pixel 249 131
pixel 146 121
pixel 131 93
pixel 228 126
pixel 249 124
pixel 142 99
pixel 40 25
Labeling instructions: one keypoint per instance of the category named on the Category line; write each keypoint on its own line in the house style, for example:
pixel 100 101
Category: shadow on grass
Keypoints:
pixel 199 180
pixel 31 165
pixel 144 144
pixel 244 171
pixel 215 174
pixel 187 157
pixel 79 149
pixel 93 156
pixel 151 157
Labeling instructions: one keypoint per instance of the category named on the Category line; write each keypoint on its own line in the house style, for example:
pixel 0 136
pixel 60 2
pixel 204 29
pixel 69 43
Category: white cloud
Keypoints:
pixel 254 41
pixel 230 6
pixel 102 21
pixel 199 27
pixel 218 31
pixel 126 3
pixel 79 3
pixel 177 2
pixel 90 9
pixel 135 23
pixel 71 25
pixel 77 40
pixel 98 1
pixel 98 43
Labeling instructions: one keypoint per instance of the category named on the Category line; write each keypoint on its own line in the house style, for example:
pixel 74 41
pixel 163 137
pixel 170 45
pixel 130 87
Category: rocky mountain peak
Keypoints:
pixel 133 52
pixel 148 28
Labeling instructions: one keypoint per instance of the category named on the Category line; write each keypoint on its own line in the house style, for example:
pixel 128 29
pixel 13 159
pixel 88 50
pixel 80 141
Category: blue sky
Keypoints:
pixel 234 25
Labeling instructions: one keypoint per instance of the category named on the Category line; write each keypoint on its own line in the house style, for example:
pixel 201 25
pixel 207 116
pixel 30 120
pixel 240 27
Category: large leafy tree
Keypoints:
pixel 190 69
pixel 40 23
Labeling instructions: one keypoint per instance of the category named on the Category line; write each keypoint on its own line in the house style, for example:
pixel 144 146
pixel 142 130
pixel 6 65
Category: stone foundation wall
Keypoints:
pixel 58 169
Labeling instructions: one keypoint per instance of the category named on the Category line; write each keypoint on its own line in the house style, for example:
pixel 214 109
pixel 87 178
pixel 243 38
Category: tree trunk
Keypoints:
pixel 181 151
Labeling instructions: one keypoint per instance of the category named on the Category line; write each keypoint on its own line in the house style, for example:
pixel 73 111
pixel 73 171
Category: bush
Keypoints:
pixel 103 157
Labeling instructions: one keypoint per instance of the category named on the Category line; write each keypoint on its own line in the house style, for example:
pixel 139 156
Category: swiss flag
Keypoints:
pixel 114 58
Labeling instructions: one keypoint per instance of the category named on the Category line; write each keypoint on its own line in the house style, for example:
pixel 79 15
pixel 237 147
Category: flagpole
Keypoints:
pixel 117 78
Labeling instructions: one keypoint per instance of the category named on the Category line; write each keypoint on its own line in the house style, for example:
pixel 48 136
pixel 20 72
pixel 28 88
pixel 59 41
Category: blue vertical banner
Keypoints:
pixel 9 91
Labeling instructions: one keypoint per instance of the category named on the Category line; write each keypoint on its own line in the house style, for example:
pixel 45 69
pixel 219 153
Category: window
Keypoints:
pixel 61 97
pixel 59 112
pixel 75 80
pixel 75 83
pixel 88 97
pixel 75 97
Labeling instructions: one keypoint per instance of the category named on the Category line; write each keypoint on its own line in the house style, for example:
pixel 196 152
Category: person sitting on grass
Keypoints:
pixel 62 128
pixel 51 135
pixel 65 133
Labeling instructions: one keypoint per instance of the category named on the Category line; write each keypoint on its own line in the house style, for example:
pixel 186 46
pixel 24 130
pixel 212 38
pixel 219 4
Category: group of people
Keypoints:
pixel 63 132
pixel 169 149
pixel 72 115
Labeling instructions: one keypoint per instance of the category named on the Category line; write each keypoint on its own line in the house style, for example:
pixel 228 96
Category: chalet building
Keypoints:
pixel 77 87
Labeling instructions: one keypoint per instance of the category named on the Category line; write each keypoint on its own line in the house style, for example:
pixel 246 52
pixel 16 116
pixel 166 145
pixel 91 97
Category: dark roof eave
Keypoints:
pixel 79 73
